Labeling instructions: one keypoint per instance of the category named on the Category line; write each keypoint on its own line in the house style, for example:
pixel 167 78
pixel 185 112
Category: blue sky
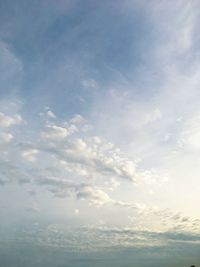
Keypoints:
pixel 100 128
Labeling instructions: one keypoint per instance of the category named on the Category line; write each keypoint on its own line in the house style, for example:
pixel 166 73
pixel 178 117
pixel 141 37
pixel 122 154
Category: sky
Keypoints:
pixel 99 133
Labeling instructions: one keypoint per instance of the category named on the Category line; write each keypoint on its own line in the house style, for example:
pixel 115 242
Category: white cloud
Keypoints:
pixel 138 118
pixel 8 121
pixel 30 154
pixel 51 114
pixel 112 184
pixel 89 83
pixel 95 196
pixel 5 137
pixel 53 132
pixel 99 158
pixel 78 119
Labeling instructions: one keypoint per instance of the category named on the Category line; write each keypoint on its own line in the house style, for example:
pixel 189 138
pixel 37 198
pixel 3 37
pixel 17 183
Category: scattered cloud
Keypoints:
pixel 53 132
pixel 8 121
pixel 94 195
pixel 30 154
pixel 130 156
pixel 5 137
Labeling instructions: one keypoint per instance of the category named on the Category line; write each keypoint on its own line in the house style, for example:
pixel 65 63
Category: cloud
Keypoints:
pixel 11 68
pixel 100 238
pixel 112 184
pixel 8 121
pixel 189 136
pixel 95 196
pixel 30 154
pixel 53 132
pixel 135 116
pixel 89 83
pixel 51 114
pixel 99 157
pixel 12 174
pixel 5 138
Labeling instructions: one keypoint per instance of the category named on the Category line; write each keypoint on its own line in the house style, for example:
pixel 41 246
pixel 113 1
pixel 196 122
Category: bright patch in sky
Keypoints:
pixel 99 132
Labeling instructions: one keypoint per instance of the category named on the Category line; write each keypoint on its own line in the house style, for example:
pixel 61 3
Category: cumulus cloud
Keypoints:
pixel 79 165
pixel 99 157
pixel 95 196
pixel 53 132
pixel 66 152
